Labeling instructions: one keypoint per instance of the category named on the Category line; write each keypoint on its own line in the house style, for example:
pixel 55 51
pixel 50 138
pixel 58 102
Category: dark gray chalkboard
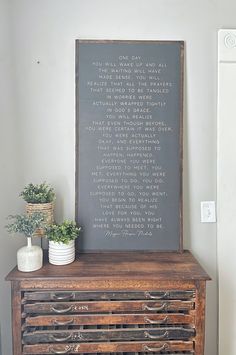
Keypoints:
pixel 129 105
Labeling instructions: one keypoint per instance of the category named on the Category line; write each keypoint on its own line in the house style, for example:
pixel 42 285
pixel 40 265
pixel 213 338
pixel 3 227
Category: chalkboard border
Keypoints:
pixel 181 95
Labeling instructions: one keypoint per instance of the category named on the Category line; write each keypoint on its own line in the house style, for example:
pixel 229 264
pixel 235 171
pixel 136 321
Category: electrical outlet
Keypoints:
pixel 208 212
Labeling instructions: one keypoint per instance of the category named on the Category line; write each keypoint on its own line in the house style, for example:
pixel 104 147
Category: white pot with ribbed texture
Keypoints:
pixel 60 253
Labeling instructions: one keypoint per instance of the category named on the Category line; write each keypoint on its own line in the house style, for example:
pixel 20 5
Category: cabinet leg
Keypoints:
pixel 16 318
pixel 200 317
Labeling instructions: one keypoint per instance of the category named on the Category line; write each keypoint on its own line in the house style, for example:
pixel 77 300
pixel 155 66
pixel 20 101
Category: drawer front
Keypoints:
pixel 76 322
pixel 104 347
pixel 83 296
pixel 109 334
pixel 108 306
pixel 103 319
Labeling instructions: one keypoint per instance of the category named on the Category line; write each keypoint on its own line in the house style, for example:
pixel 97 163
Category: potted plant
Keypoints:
pixel 39 198
pixel 30 257
pixel 62 242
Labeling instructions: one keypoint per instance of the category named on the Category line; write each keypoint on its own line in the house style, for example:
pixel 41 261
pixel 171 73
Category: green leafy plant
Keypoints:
pixel 25 224
pixel 41 193
pixel 62 233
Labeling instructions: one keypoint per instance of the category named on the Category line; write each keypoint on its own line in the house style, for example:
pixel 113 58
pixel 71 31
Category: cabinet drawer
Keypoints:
pixel 102 319
pixel 103 306
pixel 111 304
pixel 108 334
pixel 62 322
pixel 83 296
pixel 76 348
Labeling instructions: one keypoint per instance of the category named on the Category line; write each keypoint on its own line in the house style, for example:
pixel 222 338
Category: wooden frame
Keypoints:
pixel 79 186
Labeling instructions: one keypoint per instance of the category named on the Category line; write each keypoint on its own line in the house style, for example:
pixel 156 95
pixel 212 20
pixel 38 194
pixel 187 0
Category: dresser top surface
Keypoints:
pixel 121 265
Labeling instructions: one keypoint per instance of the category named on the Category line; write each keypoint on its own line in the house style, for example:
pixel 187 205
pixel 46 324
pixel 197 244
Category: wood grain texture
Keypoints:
pixel 107 347
pixel 200 317
pixel 121 266
pixel 103 319
pixel 16 318
pixel 71 335
pixel 81 295
pixel 106 306
pixel 104 285
pixel 90 294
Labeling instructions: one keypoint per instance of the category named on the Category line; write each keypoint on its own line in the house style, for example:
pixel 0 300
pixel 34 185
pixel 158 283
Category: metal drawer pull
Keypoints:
pixel 162 336
pixel 149 295
pixel 67 322
pixel 151 321
pixel 61 310
pixel 163 347
pixel 61 339
pixel 67 349
pixel 146 307
pixel 62 297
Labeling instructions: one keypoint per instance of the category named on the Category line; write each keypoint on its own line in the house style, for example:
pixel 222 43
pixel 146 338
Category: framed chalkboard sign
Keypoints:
pixel 129 114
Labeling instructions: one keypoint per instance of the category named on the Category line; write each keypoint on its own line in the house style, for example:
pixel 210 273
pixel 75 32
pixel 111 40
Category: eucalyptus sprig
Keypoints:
pixel 25 224
pixel 41 193
pixel 62 233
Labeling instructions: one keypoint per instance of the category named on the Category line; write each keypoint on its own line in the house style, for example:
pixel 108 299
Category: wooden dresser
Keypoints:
pixel 128 303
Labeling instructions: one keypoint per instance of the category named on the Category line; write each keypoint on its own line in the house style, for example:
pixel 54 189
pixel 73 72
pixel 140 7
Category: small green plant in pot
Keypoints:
pixel 39 198
pixel 62 242
pixel 30 257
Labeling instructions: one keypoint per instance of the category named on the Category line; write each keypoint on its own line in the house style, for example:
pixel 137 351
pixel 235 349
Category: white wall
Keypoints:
pixel 227 191
pixel 10 174
pixel 43 35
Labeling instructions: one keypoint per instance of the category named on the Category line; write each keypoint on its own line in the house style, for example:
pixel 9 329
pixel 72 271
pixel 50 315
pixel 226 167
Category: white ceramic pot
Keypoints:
pixel 61 254
pixel 30 257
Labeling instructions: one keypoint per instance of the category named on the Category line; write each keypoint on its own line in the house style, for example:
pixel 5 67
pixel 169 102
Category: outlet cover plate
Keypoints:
pixel 208 212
